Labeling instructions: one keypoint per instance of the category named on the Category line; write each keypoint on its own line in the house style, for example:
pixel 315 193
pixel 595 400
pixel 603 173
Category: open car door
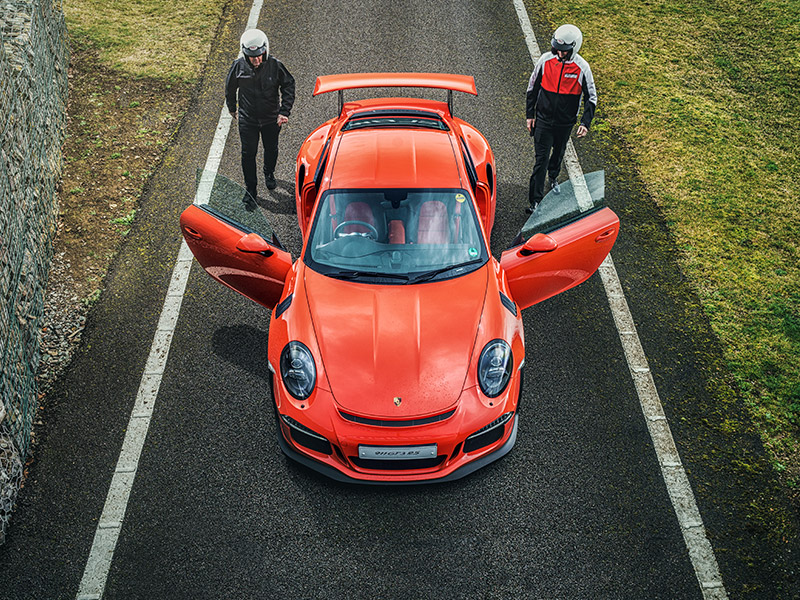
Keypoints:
pixel 227 233
pixel 562 243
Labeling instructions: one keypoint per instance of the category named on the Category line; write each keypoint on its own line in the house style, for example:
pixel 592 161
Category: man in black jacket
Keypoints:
pixel 262 110
pixel 559 80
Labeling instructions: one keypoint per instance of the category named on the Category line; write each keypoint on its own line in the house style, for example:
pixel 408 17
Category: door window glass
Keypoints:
pixel 229 201
pixel 569 204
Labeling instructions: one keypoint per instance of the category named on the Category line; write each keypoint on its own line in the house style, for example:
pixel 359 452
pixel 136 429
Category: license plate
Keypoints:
pixel 397 452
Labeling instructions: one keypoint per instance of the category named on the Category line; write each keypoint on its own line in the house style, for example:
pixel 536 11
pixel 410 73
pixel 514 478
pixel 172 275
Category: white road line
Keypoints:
pixel 95 574
pixel 678 487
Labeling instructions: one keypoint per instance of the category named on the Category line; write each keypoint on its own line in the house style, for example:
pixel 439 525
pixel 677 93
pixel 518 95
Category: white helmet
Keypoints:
pixel 567 38
pixel 254 43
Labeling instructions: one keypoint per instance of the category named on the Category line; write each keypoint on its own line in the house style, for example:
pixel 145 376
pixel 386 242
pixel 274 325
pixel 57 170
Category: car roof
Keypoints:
pixel 395 157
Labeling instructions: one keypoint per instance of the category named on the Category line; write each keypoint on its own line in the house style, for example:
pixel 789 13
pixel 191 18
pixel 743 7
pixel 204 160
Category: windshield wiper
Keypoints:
pixel 428 275
pixel 357 274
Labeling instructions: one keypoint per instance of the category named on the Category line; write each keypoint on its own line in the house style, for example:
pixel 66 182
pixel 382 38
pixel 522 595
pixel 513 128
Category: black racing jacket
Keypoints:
pixel 264 93
pixel 555 90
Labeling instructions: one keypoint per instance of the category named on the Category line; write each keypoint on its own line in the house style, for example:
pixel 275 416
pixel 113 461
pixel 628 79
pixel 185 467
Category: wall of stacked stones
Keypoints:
pixel 33 101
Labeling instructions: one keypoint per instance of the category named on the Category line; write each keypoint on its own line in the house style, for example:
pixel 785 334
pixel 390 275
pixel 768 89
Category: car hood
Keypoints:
pixel 381 343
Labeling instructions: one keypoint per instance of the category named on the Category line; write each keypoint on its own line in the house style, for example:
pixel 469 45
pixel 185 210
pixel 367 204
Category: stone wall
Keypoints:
pixel 33 101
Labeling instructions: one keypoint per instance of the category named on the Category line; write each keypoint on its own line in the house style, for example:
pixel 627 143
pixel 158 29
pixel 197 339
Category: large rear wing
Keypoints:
pixel 351 81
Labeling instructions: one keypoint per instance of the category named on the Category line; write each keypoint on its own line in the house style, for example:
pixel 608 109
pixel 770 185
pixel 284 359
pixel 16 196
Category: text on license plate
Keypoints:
pixel 397 452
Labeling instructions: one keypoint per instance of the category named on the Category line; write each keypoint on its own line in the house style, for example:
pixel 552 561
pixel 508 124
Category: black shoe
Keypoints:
pixel 555 187
pixel 270 179
pixel 531 208
pixel 251 195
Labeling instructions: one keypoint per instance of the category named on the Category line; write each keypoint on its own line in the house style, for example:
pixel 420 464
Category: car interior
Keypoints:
pixel 390 217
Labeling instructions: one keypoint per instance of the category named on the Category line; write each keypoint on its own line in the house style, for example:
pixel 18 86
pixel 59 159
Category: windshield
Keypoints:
pixel 395 235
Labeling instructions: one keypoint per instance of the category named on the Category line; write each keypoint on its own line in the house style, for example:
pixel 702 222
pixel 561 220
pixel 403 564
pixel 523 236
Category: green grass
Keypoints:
pixel 125 219
pixel 705 95
pixel 147 38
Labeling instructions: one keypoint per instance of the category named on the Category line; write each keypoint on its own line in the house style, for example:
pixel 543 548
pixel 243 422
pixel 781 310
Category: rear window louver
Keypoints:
pixel 396 118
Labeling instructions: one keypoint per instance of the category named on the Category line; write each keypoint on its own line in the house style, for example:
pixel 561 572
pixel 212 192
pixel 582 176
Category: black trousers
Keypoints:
pixel 250 135
pixel 549 145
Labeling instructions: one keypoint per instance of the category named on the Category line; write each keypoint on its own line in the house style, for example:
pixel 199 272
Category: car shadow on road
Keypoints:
pixel 243 346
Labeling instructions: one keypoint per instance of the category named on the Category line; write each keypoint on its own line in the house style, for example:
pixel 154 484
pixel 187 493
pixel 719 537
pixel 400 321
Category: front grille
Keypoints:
pixel 397 465
pixel 399 423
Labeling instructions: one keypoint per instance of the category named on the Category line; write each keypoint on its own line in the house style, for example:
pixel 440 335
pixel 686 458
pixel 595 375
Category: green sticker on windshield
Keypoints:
pixel 473 252
pixel 460 197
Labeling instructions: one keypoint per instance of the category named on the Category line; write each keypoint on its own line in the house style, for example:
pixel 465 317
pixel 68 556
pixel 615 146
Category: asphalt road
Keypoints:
pixel 578 510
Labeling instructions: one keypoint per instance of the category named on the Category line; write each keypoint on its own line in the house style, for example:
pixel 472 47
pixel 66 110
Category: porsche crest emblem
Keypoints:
pixel 397 400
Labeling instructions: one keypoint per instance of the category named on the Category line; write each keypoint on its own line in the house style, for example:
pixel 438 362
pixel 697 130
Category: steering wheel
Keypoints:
pixel 373 233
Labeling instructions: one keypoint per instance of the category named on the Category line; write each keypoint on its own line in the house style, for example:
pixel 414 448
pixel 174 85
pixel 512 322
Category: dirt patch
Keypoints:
pixel 117 130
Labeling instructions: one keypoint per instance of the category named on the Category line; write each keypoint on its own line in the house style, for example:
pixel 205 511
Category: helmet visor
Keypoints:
pixel 561 45
pixel 254 50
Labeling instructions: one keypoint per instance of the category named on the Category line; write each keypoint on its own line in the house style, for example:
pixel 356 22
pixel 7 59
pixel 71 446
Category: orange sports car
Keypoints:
pixel 396 342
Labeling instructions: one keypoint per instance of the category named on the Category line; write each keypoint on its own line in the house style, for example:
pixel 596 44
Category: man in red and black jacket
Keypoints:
pixel 559 80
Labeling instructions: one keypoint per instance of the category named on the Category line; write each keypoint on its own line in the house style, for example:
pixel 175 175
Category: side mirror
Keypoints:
pixel 254 243
pixel 539 242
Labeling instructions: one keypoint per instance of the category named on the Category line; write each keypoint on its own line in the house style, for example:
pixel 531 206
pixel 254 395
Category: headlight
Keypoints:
pixel 297 370
pixel 494 367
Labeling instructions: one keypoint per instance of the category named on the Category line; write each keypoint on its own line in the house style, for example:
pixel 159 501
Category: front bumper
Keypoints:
pixel 460 472
pixel 332 450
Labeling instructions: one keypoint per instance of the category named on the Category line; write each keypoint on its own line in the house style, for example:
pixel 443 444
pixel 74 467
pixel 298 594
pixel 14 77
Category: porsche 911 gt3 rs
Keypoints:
pixel 396 342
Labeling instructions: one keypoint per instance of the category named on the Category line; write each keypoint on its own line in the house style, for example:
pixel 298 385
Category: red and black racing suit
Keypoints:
pixel 553 99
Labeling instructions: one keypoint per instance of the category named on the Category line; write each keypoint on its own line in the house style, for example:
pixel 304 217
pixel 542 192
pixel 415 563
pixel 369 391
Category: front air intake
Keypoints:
pixel 397 465
pixel 487 435
pixel 307 438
